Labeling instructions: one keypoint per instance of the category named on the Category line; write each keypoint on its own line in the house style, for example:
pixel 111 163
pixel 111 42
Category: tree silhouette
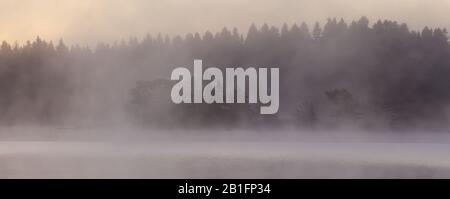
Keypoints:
pixel 385 67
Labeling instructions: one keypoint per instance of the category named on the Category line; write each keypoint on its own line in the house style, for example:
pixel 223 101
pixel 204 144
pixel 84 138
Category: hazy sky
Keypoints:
pixel 90 21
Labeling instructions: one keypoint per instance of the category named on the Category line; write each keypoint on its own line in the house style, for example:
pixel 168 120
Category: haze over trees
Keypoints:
pixel 379 75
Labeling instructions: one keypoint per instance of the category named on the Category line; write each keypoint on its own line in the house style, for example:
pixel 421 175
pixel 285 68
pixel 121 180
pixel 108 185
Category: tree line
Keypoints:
pixel 379 75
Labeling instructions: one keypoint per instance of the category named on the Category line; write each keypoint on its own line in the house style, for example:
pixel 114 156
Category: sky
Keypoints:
pixel 88 22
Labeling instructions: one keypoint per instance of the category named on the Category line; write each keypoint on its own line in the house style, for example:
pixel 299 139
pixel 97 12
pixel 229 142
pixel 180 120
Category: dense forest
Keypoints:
pixel 358 74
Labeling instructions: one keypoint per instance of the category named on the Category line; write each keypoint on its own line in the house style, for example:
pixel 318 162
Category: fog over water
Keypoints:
pixel 363 94
pixel 126 153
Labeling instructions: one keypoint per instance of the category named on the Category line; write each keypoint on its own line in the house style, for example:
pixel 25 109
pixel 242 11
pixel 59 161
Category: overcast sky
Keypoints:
pixel 90 21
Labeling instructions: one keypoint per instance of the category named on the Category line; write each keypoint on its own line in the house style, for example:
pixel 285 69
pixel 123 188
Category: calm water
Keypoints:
pixel 119 156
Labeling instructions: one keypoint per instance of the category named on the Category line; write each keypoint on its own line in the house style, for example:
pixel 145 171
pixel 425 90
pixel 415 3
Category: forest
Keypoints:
pixel 358 74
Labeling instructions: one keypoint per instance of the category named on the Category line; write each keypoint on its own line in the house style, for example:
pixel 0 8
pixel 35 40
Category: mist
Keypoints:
pixel 358 99
pixel 232 154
